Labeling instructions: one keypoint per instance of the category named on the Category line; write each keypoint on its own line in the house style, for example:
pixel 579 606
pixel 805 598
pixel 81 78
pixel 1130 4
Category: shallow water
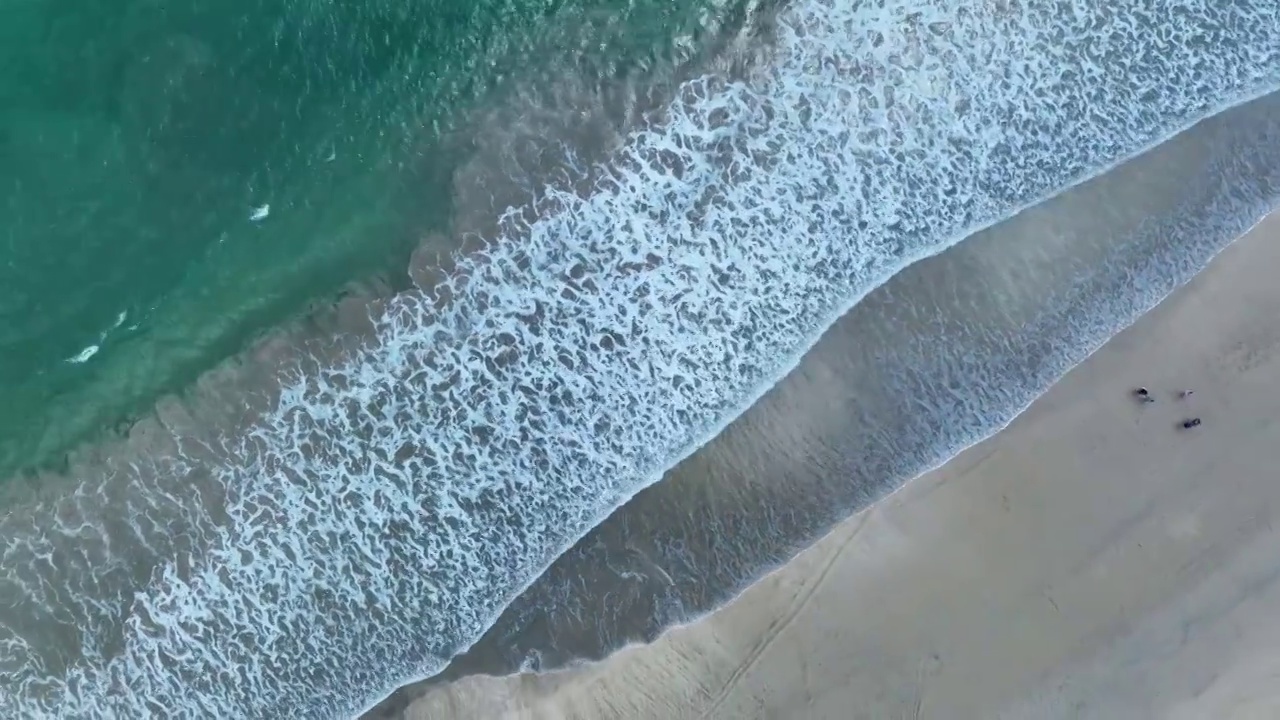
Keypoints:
pixel 356 501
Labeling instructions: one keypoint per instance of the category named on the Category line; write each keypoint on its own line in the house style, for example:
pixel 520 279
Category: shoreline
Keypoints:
pixel 767 458
pixel 1008 499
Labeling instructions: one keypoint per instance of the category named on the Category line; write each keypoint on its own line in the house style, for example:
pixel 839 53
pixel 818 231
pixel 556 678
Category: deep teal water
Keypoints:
pixel 137 138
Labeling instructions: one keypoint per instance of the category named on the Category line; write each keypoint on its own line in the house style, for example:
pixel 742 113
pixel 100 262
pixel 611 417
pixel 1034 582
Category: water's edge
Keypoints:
pixel 530 635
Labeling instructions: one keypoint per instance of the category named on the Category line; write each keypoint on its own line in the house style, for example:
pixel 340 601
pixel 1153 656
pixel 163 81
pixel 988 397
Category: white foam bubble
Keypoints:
pixel 84 354
pixel 391 507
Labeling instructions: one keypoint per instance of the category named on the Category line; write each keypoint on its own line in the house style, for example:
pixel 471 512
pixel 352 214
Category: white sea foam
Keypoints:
pixel 84 355
pixel 387 510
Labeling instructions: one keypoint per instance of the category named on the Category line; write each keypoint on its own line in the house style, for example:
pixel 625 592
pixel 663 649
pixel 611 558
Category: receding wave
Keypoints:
pixel 369 520
pixel 940 356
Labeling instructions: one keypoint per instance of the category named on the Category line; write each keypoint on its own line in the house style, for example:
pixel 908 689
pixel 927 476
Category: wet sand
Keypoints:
pixel 1092 560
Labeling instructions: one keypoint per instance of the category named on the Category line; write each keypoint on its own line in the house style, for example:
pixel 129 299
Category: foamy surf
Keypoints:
pixel 381 516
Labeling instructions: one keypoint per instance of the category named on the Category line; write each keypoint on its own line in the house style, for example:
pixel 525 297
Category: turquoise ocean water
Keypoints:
pixel 138 138
pixel 576 241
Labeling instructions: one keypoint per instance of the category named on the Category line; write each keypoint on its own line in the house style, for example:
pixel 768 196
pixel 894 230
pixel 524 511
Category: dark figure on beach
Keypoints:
pixel 1188 424
pixel 1144 395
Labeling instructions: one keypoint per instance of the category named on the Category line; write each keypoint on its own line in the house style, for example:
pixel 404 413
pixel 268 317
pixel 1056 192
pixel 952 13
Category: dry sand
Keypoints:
pixel 1092 560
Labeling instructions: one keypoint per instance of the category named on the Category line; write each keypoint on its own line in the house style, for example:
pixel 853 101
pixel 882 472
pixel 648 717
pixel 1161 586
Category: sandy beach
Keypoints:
pixel 1094 559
